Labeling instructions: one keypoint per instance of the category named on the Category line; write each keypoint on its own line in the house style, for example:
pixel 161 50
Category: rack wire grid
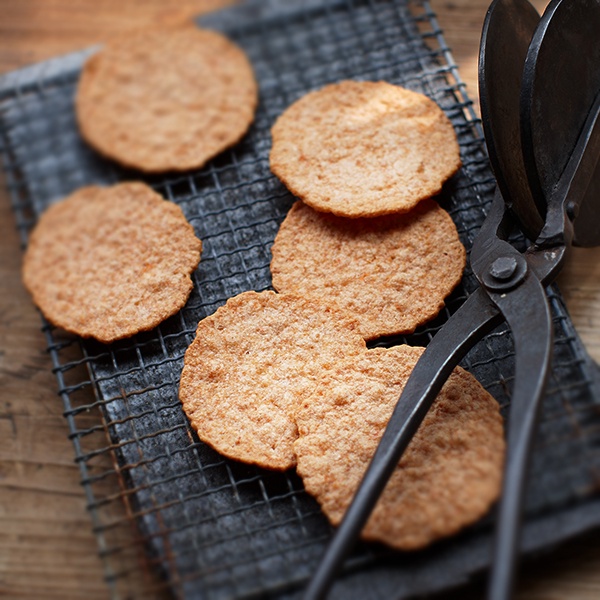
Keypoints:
pixel 184 520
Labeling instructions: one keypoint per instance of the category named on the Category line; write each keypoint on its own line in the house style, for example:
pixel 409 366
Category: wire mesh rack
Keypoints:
pixel 183 520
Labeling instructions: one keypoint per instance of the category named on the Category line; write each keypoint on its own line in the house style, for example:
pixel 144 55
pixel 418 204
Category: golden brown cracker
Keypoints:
pixel 363 148
pixel 110 262
pixel 392 272
pixel 449 475
pixel 251 363
pixel 166 99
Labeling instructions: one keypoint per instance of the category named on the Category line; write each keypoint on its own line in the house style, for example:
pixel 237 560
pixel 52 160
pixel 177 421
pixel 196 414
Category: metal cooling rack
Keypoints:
pixel 201 526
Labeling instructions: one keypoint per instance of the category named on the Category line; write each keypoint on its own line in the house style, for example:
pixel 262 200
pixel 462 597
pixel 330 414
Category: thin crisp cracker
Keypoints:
pixel 166 99
pixel 251 363
pixel 392 273
pixel 364 148
pixel 449 475
pixel 110 262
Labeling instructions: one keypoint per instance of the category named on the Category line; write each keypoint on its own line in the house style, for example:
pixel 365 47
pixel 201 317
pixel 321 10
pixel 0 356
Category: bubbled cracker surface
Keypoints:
pixel 362 149
pixel 392 272
pixel 251 363
pixel 110 262
pixel 170 99
pixel 449 475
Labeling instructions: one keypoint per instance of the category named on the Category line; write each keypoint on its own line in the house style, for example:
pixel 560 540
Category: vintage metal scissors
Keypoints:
pixel 539 82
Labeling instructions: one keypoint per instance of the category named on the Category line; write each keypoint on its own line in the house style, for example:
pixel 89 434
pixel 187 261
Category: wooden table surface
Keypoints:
pixel 47 548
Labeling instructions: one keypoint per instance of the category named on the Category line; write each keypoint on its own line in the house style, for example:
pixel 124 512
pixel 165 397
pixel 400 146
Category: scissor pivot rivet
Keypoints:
pixel 503 268
pixel 572 210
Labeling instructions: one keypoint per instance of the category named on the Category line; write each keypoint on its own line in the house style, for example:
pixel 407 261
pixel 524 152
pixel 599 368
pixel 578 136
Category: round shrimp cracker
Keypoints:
pixel 110 262
pixel 364 148
pixel 166 99
pixel 392 272
pixel 450 473
pixel 251 363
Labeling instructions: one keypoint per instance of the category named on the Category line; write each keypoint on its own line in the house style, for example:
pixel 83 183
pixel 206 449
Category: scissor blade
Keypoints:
pixel 477 317
pixel 507 31
pixel 560 83
pixel 527 313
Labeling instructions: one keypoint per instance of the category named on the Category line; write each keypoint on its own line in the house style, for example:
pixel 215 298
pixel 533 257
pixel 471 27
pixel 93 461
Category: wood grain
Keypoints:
pixel 47 548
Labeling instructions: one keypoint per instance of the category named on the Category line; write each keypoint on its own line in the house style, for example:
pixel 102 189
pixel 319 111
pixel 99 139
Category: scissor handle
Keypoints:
pixel 527 313
pixel 476 317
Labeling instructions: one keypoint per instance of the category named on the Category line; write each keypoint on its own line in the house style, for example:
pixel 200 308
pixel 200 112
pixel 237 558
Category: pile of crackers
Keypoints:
pixel 282 379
